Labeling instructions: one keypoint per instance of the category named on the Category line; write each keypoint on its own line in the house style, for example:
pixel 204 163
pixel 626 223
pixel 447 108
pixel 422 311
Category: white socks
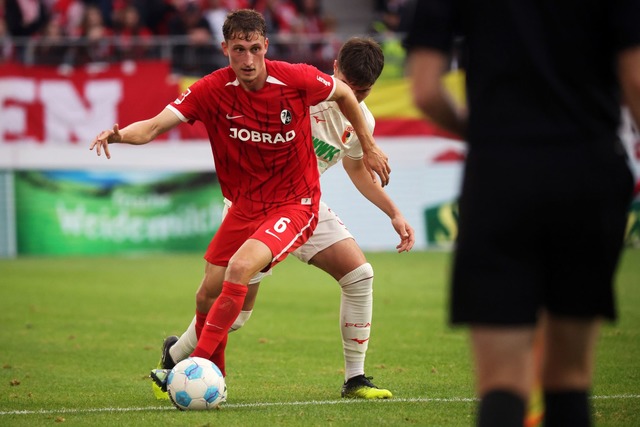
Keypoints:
pixel 356 309
pixel 239 322
pixel 185 344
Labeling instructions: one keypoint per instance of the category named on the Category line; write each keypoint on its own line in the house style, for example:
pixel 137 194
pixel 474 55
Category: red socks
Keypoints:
pixel 221 316
pixel 200 319
pixel 218 355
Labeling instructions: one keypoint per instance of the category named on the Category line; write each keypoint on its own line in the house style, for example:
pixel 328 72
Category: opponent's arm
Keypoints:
pixel 137 133
pixel 375 161
pixel 376 195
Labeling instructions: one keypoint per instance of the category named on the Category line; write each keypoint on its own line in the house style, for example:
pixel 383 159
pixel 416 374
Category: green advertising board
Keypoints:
pixel 81 212
pixel 441 224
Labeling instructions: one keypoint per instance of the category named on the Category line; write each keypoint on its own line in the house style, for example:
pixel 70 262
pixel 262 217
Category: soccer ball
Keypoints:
pixel 196 384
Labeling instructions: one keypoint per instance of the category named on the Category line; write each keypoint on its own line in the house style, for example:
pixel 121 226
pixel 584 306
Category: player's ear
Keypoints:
pixel 225 48
pixel 335 66
pixel 266 44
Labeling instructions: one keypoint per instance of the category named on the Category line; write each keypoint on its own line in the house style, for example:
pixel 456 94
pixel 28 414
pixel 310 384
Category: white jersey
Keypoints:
pixel 333 135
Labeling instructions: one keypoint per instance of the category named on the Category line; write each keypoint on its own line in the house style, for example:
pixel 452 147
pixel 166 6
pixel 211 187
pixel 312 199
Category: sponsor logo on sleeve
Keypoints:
pixel 182 96
pixel 323 81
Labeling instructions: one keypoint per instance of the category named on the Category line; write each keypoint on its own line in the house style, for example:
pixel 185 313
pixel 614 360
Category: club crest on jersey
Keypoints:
pixel 285 117
pixel 346 135
pixel 182 96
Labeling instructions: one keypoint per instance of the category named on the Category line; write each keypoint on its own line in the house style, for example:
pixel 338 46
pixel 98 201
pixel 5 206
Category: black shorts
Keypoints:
pixel 539 227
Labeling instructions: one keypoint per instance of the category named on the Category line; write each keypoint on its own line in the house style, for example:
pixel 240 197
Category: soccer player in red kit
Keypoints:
pixel 256 113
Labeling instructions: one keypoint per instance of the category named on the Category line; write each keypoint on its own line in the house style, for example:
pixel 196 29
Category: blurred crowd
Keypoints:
pixel 189 32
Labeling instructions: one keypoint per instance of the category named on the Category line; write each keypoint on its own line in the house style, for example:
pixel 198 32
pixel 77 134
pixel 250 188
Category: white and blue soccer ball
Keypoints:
pixel 196 384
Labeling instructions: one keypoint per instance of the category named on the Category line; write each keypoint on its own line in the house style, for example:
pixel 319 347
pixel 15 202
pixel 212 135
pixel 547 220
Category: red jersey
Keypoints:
pixel 261 141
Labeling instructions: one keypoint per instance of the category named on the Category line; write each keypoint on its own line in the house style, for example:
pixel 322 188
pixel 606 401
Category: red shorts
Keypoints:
pixel 283 231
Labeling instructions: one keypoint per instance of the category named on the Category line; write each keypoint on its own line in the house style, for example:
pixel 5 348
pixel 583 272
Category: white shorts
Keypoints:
pixel 330 230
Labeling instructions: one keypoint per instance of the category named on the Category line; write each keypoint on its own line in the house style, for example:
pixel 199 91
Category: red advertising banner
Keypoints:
pixel 53 105
pixel 47 105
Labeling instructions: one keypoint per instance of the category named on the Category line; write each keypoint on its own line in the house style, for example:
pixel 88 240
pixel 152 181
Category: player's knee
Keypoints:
pixel 204 299
pixel 358 281
pixel 240 270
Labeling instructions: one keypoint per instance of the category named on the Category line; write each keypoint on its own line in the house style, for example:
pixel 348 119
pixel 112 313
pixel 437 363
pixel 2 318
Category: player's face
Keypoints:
pixel 246 58
pixel 361 92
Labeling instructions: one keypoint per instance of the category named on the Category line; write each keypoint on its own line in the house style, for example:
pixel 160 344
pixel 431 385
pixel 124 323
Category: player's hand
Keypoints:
pixel 405 231
pixel 376 162
pixel 104 138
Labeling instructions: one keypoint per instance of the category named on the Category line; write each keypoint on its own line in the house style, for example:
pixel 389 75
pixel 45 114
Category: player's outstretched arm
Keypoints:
pixel 375 160
pixel 137 133
pixel 376 195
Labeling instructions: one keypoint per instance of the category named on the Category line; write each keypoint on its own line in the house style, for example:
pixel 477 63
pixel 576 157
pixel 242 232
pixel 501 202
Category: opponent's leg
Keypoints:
pixel 356 306
pixel 355 324
pixel 345 262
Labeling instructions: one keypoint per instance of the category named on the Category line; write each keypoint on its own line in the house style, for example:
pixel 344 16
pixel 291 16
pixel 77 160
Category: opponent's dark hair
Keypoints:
pixel 361 61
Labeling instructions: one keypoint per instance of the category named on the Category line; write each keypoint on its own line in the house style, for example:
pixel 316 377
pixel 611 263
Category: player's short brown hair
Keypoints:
pixel 244 24
pixel 361 60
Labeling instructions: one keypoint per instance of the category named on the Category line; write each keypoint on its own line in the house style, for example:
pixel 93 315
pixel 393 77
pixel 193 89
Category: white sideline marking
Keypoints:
pixel 267 404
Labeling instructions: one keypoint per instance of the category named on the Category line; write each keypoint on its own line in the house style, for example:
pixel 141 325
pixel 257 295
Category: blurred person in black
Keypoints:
pixel 132 38
pixel 388 15
pixel 52 47
pixel 25 18
pixel 195 55
pixel 546 188
pixel 94 44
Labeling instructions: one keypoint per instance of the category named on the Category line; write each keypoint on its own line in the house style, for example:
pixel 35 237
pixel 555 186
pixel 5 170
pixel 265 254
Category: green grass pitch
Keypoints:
pixel 78 337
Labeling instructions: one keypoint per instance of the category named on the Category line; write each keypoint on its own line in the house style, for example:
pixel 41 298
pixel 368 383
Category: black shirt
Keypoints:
pixel 538 71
